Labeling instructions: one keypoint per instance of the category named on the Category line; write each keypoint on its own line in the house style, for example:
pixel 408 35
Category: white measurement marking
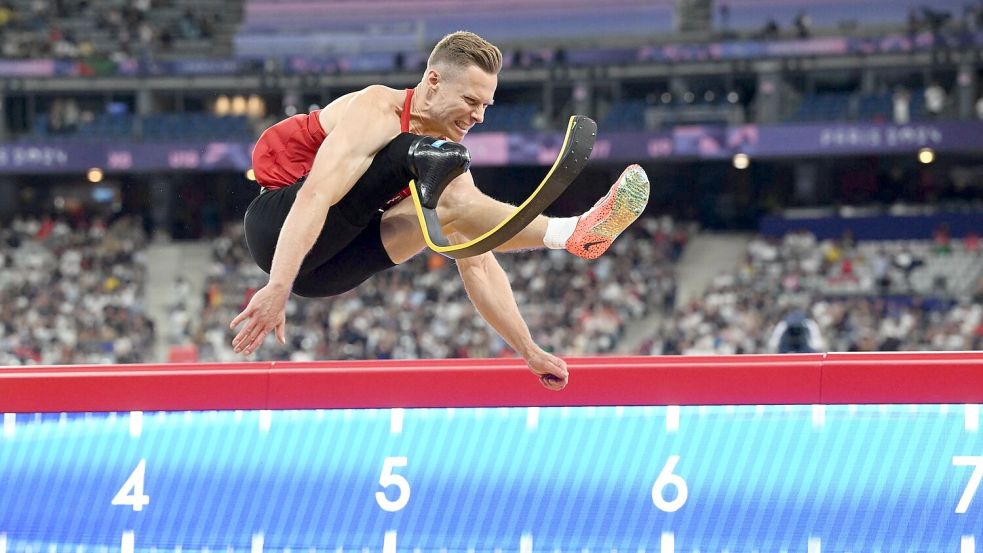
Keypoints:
pixel 126 545
pixel 136 423
pixel 818 416
pixel 672 418
pixel 396 420
pixel 9 424
pixel 972 416
pixel 525 543
pixel 668 543
pixel 389 542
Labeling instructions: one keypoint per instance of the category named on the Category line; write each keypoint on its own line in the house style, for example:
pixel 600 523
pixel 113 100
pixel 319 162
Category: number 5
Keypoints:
pixel 974 479
pixel 388 478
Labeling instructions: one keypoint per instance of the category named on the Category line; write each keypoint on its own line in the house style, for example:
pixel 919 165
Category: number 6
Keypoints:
pixel 388 478
pixel 667 478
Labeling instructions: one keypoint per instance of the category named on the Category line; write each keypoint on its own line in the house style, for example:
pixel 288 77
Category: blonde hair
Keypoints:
pixel 463 48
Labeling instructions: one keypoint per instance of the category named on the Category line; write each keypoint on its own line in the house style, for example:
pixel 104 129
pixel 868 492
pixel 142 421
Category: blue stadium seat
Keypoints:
pixel 625 116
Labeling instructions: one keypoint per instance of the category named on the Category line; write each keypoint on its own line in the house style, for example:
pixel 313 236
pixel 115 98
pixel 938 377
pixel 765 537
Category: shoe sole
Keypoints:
pixel 630 199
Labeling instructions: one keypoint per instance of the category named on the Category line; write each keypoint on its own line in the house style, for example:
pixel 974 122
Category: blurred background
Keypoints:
pixel 817 173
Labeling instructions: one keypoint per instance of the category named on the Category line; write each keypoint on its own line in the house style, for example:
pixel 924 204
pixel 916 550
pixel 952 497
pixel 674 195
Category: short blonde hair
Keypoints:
pixel 463 48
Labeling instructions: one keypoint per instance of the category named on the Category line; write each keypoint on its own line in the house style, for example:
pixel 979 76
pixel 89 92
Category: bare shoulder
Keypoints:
pixel 369 103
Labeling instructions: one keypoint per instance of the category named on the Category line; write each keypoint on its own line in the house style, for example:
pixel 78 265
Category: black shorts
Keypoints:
pixel 349 248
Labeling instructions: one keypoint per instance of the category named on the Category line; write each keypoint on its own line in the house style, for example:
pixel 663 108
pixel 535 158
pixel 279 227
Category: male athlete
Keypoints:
pixel 331 213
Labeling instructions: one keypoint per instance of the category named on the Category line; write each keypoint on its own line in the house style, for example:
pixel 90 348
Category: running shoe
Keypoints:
pixel 611 215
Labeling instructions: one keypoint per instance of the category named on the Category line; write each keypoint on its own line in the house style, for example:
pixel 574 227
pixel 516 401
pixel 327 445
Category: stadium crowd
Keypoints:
pixel 72 291
pixel 862 298
pixel 115 30
pixel 420 309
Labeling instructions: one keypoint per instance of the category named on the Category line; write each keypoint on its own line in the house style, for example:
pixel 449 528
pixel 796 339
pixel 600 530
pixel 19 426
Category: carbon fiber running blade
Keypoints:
pixel 578 143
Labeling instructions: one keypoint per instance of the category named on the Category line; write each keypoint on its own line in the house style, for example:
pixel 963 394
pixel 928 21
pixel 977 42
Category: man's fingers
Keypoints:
pixel 257 341
pixel 552 382
pixel 561 367
pixel 281 332
pixel 240 317
pixel 246 336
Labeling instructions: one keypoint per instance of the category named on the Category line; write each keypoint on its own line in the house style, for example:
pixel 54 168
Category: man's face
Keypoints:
pixel 461 97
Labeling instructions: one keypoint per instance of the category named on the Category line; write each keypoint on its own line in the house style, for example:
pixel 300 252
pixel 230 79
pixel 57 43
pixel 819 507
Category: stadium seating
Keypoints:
pixel 855 106
pixel 509 118
pixel 73 292
pixel 878 295
pixel 155 128
pixel 833 106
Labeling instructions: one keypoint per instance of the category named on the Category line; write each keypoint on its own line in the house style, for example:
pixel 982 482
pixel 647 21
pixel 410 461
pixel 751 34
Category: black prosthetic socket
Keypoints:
pixel 435 163
pixel 386 176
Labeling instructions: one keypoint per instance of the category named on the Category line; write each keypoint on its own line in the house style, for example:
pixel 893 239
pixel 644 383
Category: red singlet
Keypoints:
pixel 285 152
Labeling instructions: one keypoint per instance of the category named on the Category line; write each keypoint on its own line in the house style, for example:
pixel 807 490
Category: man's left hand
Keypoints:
pixel 552 370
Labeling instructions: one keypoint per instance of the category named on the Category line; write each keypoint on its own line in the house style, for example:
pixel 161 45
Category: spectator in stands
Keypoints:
pixel 6 14
pixel 802 24
pixel 907 263
pixel 979 108
pixel 935 19
pixel 969 19
pixel 724 11
pixel 935 97
pixel 914 22
pixel 902 105
pixel 978 292
pixel 971 242
pixel 770 30
pixel 796 333
pixel 942 239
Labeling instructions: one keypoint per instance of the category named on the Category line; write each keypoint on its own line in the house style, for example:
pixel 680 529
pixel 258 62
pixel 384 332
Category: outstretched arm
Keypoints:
pixel 342 158
pixel 491 293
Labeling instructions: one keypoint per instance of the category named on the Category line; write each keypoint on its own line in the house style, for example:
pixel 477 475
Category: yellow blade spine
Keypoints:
pixel 456 247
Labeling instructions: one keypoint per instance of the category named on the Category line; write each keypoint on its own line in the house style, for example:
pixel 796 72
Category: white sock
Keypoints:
pixel 558 231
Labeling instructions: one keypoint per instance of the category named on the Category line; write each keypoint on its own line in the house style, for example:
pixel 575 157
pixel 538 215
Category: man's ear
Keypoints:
pixel 433 79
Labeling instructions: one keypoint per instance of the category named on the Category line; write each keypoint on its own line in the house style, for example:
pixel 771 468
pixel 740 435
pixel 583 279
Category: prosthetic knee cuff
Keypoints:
pixel 435 163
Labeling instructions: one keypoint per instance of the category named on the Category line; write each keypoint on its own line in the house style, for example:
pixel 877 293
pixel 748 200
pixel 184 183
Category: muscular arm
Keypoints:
pixel 343 157
pixel 490 292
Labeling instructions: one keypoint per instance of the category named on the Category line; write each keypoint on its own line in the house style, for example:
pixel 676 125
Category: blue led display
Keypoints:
pixel 894 478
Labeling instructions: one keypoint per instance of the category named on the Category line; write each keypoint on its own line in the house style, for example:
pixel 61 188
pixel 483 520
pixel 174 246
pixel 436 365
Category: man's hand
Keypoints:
pixel 552 370
pixel 266 311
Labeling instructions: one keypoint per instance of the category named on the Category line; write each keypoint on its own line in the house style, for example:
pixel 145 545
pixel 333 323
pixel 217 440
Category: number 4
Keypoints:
pixel 974 479
pixel 132 491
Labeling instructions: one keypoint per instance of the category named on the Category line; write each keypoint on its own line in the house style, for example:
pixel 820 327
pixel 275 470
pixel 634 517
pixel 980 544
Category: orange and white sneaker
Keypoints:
pixel 611 215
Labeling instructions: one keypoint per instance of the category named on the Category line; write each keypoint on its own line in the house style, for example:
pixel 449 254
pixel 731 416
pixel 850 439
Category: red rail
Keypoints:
pixel 955 377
